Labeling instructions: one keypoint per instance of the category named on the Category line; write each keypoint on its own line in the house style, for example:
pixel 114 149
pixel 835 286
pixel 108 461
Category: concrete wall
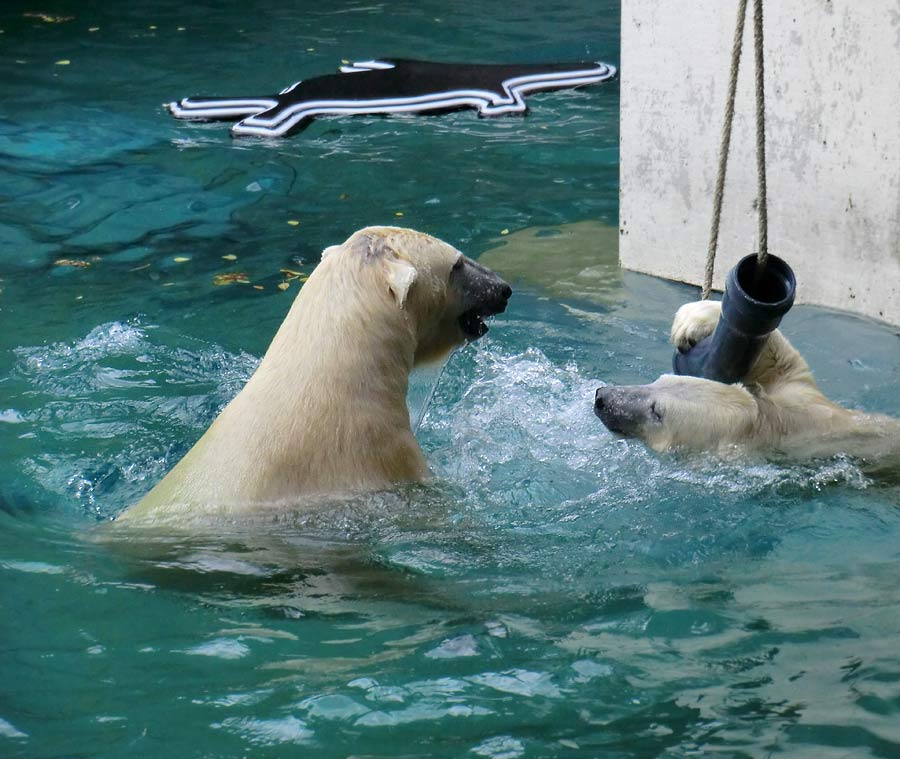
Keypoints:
pixel 833 144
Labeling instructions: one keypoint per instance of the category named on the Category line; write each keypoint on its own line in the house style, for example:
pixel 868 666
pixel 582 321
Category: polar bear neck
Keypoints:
pixel 326 408
pixel 324 412
pixel 344 330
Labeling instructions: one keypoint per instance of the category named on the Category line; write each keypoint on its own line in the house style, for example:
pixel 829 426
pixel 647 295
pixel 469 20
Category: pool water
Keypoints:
pixel 556 591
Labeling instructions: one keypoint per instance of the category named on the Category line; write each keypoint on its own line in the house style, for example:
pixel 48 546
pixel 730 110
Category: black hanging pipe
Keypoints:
pixel 754 302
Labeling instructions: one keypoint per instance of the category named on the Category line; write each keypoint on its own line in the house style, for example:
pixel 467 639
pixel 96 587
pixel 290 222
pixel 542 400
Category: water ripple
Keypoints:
pixel 267 732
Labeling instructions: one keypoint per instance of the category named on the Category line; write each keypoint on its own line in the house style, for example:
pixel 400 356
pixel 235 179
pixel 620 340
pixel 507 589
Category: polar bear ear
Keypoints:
pixel 400 275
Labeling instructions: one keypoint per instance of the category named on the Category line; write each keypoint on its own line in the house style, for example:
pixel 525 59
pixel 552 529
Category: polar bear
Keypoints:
pixel 777 410
pixel 325 411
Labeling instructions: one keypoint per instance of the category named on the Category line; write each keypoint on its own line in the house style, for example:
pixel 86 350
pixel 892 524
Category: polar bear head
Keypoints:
pixel 442 296
pixel 676 412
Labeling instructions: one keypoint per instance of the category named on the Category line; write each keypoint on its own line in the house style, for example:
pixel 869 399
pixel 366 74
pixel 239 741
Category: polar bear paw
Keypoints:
pixel 693 322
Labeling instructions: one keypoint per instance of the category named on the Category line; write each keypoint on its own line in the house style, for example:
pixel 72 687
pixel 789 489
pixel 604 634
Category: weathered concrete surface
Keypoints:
pixel 833 144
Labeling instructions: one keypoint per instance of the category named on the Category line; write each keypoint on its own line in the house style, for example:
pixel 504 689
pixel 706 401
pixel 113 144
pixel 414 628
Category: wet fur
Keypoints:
pixel 326 409
pixel 778 409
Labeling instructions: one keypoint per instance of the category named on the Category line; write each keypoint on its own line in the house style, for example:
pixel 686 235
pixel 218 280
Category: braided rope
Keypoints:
pixel 762 210
pixel 724 147
pixel 725 144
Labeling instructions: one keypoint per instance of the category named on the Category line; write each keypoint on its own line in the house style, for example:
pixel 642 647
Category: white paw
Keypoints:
pixel 693 322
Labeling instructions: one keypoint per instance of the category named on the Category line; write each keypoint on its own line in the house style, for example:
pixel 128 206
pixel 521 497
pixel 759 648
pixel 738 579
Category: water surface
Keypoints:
pixel 556 591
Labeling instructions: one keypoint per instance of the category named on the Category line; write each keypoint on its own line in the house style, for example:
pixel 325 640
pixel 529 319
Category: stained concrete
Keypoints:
pixel 833 144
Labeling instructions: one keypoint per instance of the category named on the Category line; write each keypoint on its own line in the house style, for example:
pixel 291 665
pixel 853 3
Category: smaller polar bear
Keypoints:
pixel 326 410
pixel 777 409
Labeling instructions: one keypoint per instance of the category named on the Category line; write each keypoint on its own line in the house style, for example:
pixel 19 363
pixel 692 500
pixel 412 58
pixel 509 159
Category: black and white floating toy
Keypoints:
pixel 393 85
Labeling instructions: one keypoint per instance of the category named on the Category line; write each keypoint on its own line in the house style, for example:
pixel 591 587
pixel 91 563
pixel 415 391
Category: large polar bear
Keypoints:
pixel 326 410
pixel 776 410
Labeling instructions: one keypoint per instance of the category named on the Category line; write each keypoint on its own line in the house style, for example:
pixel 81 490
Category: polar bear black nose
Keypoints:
pixel 599 399
pixel 506 292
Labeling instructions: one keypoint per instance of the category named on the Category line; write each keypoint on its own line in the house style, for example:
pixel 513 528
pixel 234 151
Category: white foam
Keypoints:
pixel 500 747
pixel 519 682
pixel 7 730
pixel 220 648
pixel 32 567
pixel 455 648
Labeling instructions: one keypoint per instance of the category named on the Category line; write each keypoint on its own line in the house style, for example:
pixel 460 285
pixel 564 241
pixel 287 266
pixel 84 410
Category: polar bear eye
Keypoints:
pixel 458 264
pixel 655 412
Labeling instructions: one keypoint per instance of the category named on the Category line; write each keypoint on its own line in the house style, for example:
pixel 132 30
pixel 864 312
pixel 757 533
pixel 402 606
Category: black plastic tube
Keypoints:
pixel 753 305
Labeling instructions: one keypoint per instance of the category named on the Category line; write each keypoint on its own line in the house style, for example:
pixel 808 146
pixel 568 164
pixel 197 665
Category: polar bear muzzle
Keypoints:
pixel 484 294
pixel 626 409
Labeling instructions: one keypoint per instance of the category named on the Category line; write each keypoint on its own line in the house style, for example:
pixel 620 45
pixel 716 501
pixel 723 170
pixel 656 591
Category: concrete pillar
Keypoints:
pixel 833 144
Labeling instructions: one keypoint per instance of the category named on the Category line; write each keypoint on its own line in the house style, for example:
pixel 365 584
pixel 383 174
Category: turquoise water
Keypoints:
pixel 556 591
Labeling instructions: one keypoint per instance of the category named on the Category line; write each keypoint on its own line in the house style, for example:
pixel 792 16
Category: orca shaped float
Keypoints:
pixel 393 85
